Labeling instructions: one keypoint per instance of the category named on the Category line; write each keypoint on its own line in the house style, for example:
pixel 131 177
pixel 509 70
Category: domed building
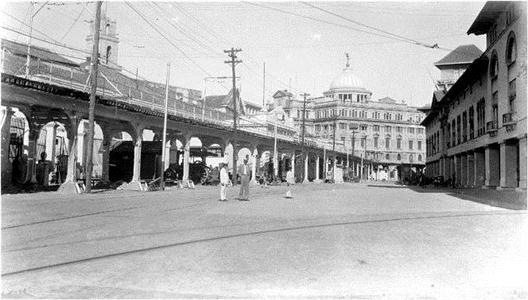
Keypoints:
pixel 385 132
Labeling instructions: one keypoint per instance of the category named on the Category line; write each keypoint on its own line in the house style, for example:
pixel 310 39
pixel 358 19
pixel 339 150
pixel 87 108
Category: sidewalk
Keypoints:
pixel 509 199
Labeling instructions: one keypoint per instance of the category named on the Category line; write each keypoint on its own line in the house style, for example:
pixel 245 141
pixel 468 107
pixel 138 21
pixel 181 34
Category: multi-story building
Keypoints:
pixel 386 131
pixel 477 131
pixel 451 67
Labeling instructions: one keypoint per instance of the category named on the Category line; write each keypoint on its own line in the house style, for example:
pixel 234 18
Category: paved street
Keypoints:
pixel 349 240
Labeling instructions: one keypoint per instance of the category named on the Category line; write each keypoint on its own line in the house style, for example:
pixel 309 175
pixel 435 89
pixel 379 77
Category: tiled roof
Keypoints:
pixel 282 93
pixel 462 54
pixel 21 49
pixel 488 16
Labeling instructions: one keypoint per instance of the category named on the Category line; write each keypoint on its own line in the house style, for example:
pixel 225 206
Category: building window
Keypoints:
pixel 464 126
pixel 494 66
pixel 398 143
pixel 481 117
pixel 512 94
pixel 398 129
pixel 453 133
pixel 108 53
pixel 410 130
pixel 511 49
pixel 495 108
pixel 363 141
pixel 376 128
pixel 419 157
pixel 471 123
pixel 387 129
pixel 352 126
pixel 363 127
pixel 459 130
pixel 387 142
pixel 492 34
pixel 410 145
pixel 399 156
pixel 375 142
pixel 419 145
pixel 387 156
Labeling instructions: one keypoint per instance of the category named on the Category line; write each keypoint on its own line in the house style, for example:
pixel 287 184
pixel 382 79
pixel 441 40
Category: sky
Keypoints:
pixel 301 54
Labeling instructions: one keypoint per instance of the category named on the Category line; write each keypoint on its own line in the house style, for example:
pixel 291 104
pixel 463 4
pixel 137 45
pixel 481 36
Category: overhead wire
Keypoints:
pixel 74 22
pixel 178 28
pixel 166 38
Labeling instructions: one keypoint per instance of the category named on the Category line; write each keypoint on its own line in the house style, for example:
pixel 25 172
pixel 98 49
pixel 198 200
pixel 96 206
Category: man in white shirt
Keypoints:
pixel 224 182
pixel 244 172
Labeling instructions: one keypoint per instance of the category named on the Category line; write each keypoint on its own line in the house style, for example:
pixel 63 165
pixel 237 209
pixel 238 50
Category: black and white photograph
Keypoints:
pixel 263 149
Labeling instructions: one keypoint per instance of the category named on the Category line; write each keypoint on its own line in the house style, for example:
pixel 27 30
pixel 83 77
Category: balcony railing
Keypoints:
pixel 507 119
pixel 491 128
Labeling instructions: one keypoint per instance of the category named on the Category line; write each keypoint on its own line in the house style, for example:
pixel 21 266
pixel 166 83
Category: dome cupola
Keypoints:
pixel 347 80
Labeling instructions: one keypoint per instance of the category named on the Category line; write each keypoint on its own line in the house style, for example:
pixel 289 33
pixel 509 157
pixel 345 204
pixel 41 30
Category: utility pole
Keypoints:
pixel 334 163
pixel 353 145
pixel 264 87
pixel 304 95
pixel 234 61
pixel 91 113
pixel 164 139
pixel 28 59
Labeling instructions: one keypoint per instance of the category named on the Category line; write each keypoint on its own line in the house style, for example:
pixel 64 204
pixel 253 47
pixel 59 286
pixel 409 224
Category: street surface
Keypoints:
pixel 356 241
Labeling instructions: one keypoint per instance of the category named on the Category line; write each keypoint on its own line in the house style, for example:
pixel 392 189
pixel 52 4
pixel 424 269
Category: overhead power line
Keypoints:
pixel 371 27
pixel 166 38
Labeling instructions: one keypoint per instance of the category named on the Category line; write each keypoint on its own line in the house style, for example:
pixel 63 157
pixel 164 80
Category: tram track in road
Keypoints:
pixel 444 215
pixel 201 194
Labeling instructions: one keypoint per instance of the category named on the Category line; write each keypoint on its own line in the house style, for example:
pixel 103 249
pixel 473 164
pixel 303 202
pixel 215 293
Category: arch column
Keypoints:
pixel 6 136
pixel 70 183
pixel 317 169
pixel 254 155
pixel 135 183
pixel 107 139
pixel 292 162
pixel 31 175
pixel 186 156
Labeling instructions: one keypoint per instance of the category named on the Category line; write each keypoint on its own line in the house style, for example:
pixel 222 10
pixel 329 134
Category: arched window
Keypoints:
pixel 419 157
pixel 511 49
pixel 411 158
pixel 108 53
pixel 494 65
pixel 387 156
pixel 399 157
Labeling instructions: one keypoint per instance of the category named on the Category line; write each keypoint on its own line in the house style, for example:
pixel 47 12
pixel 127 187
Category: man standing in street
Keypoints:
pixel 224 182
pixel 244 180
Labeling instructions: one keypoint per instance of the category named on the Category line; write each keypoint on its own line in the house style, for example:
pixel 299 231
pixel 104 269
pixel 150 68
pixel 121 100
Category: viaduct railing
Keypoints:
pixel 113 88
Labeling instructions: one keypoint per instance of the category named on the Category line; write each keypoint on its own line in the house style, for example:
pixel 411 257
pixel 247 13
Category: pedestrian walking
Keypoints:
pixel 244 180
pixel 224 182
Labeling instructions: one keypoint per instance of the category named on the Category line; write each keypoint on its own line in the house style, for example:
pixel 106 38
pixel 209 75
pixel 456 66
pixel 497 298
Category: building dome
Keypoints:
pixel 346 81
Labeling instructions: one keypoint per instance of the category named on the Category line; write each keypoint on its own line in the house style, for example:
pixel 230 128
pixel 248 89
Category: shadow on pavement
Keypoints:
pixel 509 199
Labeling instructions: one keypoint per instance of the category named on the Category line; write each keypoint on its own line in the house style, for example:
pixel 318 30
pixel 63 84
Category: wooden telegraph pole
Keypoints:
pixel 164 138
pixel 234 61
pixel 93 91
